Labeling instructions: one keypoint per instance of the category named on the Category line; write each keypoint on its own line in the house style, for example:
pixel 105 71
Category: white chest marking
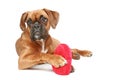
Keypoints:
pixel 43 47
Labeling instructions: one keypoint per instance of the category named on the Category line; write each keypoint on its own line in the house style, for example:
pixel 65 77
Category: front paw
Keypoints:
pixel 58 61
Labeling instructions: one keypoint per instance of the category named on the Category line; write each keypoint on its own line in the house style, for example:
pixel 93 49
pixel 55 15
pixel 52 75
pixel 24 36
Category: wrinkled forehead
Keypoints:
pixel 35 15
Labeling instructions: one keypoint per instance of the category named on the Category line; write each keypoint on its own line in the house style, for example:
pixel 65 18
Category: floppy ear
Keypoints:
pixel 22 21
pixel 53 16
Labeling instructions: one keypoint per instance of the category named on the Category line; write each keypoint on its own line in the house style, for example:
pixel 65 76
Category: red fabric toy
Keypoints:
pixel 65 52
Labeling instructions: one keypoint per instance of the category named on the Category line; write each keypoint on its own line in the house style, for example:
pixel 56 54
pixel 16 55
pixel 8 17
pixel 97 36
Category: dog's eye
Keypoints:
pixel 29 21
pixel 43 19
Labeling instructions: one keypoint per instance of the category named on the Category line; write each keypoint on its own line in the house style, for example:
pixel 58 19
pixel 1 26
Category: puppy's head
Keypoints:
pixel 38 23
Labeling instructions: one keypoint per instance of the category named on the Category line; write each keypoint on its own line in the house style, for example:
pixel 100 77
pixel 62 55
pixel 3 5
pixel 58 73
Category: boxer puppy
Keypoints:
pixel 36 46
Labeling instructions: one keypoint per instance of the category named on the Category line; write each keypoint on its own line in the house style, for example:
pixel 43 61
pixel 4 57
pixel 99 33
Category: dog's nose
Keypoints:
pixel 36 25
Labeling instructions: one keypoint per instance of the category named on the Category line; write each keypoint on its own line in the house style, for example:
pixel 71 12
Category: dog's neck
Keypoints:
pixel 44 44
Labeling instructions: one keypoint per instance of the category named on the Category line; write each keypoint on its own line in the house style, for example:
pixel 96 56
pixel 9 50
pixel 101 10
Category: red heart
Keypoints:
pixel 65 52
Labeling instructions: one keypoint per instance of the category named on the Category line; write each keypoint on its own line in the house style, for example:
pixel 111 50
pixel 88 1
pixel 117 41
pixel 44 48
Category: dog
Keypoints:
pixel 36 45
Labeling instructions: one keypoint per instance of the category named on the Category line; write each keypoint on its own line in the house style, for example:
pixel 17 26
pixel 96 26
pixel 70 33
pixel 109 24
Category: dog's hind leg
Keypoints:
pixel 76 53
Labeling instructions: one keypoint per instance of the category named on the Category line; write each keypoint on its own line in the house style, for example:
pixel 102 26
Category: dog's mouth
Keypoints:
pixel 38 36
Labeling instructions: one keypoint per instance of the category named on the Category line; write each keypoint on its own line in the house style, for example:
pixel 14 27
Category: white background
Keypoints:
pixel 83 24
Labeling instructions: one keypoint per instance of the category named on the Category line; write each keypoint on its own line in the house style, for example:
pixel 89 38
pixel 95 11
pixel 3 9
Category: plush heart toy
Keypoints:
pixel 65 52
